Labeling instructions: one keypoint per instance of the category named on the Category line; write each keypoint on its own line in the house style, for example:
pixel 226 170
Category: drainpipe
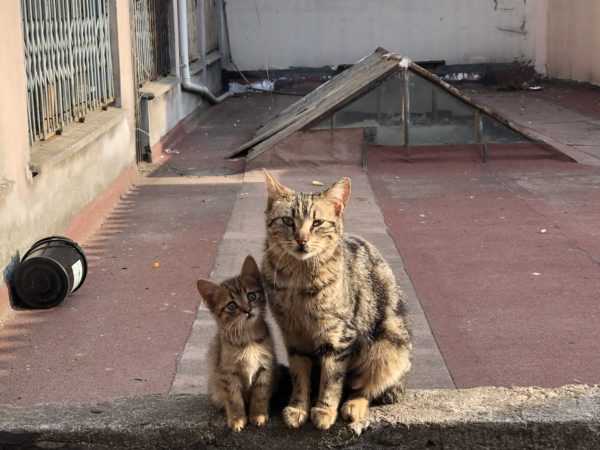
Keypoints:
pixel 186 79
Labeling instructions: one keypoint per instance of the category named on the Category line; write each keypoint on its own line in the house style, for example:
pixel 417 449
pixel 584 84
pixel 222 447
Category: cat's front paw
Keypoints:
pixel 323 418
pixel 294 417
pixel 355 409
pixel 259 420
pixel 236 424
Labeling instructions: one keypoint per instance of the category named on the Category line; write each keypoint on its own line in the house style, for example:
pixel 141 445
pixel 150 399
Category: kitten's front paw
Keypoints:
pixel 355 409
pixel 236 424
pixel 323 418
pixel 294 417
pixel 259 420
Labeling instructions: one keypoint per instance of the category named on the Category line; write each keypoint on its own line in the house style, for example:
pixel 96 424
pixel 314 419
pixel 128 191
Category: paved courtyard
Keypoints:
pixel 499 262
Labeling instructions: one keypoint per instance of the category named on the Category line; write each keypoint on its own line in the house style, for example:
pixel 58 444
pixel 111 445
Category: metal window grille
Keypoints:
pixel 67 61
pixel 150 34
pixel 211 25
pixel 192 25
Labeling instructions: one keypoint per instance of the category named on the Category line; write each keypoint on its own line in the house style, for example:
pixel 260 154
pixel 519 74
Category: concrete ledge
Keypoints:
pixel 75 136
pixel 568 417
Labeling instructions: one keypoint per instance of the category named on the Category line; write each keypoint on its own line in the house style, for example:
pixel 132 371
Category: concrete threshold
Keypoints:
pixel 566 417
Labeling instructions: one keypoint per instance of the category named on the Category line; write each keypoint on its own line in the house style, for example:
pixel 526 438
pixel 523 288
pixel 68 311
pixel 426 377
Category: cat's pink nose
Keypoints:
pixel 301 242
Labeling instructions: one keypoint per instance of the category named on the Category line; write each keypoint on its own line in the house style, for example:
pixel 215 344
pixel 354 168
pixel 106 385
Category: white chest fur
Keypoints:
pixel 249 362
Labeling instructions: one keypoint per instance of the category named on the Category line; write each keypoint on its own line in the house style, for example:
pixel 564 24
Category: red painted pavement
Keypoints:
pixel 121 333
pixel 508 303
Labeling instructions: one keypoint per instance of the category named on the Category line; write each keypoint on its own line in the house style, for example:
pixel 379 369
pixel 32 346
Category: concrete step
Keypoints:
pixel 518 418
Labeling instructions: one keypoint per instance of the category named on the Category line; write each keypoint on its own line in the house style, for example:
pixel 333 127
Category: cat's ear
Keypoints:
pixel 338 194
pixel 250 269
pixel 275 190
pixel 208 290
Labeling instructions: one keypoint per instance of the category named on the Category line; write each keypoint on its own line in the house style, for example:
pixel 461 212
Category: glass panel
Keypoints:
pixel 379 110
pixel 437 117
pixel 389 135
pixel 324 124
pixel 390 107
pixel 494 131
pixel 359 113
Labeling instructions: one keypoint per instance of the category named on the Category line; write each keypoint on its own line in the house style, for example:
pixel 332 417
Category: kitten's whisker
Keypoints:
pixel 227 332
pixel 241 328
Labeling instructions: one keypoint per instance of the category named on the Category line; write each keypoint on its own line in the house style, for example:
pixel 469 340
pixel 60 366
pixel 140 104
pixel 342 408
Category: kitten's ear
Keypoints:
pixel 250 269
pixel 208 290
pixel 275 190
pixel 338 194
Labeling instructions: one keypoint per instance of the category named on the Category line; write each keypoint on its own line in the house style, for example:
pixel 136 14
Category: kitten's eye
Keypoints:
pixel 317 223
pixel 251 296
pixel 288 221
pixel 231 306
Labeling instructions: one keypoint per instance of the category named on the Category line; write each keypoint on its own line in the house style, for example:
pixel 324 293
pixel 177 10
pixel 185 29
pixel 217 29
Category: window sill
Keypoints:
pixel 200 65
pixel 160 86
pixel 75 136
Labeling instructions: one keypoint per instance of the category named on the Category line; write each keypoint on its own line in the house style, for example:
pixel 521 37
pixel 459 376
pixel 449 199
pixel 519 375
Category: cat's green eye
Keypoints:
pixel 251 296
pixel 317 223
pixel 288 221
pixel 231 306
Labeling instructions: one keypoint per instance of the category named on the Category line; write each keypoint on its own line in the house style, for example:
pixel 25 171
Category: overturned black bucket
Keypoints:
pixel 52 268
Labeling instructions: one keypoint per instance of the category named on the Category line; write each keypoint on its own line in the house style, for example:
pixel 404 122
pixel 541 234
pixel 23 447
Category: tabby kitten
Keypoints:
pixel 241 354
pixel 337 304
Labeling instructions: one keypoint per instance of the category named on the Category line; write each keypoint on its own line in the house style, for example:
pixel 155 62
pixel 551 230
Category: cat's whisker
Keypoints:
pixel 276 271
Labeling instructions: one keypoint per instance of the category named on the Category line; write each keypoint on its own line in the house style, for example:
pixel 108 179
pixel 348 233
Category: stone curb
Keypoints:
pixel 535 418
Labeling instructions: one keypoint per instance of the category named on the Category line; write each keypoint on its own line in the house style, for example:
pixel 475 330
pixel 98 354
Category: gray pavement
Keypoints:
pixel 245 235
pixel 573 132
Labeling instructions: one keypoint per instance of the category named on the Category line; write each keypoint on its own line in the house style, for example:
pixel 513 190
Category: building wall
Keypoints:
pixel 313 33
pixel 574 40
pixel 91 159
pixel 34 207
pixel 172 104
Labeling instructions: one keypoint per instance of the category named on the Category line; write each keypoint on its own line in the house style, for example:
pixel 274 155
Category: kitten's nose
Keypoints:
pixel 301 242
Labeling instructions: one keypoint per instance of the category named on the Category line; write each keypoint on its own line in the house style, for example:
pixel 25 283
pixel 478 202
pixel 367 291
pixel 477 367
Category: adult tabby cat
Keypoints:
pixel 337 304
pixel 241 354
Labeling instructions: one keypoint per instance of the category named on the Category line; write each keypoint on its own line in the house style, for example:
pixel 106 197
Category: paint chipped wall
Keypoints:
pixel 313 33
pixel 574 40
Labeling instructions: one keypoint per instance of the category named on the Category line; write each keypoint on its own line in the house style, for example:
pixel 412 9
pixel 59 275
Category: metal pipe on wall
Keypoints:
pixel 186 79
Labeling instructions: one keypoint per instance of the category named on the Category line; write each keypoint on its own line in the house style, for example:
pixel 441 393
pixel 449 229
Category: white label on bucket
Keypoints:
pixel 77 269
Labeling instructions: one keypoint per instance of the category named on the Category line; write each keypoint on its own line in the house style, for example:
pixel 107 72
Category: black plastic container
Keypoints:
pixel 52 268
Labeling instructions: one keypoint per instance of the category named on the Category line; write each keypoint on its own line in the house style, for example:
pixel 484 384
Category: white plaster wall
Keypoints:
pixel 314 33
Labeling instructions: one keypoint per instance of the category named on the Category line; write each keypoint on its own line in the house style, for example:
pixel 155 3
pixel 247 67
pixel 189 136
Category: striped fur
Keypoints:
pixel 241 355
pixel 337 304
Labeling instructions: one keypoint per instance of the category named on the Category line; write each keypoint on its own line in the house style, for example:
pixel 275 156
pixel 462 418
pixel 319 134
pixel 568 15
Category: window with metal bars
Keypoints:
pixel 67 61
pixel 150 36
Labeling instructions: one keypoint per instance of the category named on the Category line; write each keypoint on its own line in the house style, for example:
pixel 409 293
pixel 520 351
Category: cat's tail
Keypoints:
pixel 393 394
